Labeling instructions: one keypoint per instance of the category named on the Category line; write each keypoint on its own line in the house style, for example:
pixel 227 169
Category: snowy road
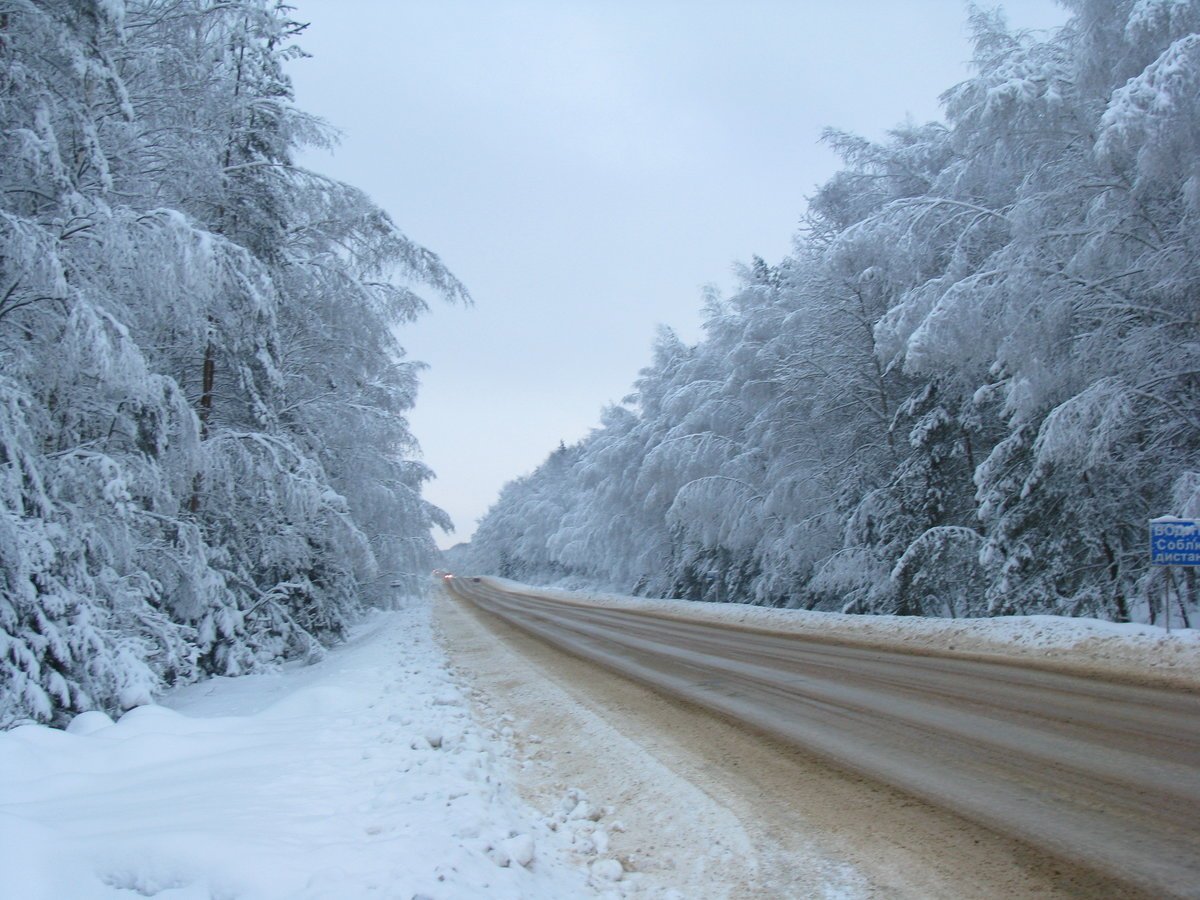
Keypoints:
pixel 1100 774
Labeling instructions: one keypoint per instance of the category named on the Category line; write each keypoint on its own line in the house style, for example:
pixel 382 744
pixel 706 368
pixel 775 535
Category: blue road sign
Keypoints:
pixel 1174 542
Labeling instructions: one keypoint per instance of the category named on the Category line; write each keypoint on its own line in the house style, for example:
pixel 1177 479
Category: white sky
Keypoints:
pixel 586 167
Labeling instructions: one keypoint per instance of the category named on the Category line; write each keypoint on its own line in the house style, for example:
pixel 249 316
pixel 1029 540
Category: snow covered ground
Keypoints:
pixel 366 775
pixel 361 776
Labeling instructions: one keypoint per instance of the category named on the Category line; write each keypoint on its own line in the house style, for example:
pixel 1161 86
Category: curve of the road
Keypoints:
pixel 1102 774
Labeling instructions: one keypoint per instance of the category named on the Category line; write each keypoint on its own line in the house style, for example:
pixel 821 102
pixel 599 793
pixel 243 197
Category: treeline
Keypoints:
pixel 966 390
pixel 204 461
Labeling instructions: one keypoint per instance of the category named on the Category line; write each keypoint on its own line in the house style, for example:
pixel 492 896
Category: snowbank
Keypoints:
pixel 361 776
pixel 1141 654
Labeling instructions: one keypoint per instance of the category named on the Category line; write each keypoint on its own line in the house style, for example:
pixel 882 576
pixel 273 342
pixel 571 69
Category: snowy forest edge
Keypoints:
pixel 966 390
pixel 204 461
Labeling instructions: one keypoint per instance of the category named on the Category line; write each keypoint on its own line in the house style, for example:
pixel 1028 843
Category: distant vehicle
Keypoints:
pixel 447 576
pixel 476 580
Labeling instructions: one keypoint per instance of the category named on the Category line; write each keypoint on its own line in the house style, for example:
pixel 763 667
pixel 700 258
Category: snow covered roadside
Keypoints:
pixel 1135 653
pixel 361 776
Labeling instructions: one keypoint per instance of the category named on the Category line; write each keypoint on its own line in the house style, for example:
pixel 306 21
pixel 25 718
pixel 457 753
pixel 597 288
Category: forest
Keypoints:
pixel 964 392
pixel 205 465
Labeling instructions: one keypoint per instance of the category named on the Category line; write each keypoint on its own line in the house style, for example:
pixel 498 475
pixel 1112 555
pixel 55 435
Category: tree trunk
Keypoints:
pixel 208 377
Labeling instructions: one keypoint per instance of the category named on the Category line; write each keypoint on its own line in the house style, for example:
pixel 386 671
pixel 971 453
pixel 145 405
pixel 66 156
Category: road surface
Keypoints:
pixel 1102 775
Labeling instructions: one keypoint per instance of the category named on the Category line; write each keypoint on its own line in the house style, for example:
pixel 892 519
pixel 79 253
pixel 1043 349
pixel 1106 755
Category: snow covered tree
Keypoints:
pixel 974 379
pixel 181 310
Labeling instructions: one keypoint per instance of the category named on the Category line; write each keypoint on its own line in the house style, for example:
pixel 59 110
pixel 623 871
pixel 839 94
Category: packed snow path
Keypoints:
pixel 1103 774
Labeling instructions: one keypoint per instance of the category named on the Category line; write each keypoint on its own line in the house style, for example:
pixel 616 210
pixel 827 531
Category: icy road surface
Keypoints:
pixel 1104 776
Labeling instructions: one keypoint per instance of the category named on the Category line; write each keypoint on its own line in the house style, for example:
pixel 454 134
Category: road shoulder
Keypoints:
pixel 709 809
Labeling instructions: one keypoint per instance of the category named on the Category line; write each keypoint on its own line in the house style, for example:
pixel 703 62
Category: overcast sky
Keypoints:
pixel 586 167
